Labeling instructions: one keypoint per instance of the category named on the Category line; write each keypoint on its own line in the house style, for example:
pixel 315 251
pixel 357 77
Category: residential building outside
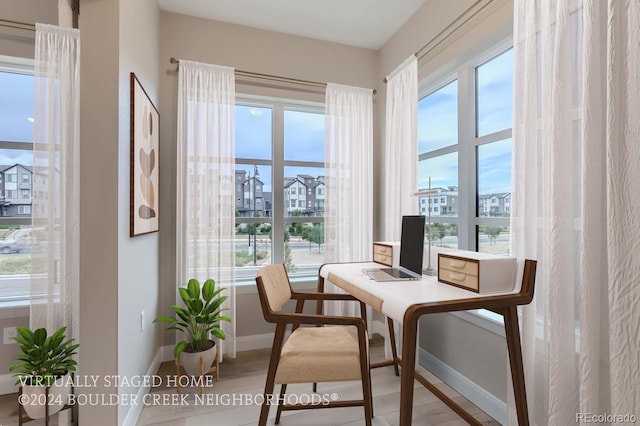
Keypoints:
pixel 443 203
pixel 494 204
pixel 16 184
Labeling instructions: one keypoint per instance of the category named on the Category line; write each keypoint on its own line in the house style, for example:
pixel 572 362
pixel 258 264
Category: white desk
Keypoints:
pixel 407 301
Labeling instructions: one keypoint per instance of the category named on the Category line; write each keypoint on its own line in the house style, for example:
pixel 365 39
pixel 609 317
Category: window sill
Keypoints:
pixel 302 283
pixel 482 318
pixel 14 309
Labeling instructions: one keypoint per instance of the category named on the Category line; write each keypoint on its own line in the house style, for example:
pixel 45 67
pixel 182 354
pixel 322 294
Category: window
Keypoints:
pixel 282 142
pixel 464 140
pixel 16 146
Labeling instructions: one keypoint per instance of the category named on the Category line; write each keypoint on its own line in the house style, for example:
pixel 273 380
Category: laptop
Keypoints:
pixel 411 251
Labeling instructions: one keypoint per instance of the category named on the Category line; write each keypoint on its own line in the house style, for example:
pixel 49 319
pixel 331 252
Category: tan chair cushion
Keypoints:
pixel 276 285
pixel 320 354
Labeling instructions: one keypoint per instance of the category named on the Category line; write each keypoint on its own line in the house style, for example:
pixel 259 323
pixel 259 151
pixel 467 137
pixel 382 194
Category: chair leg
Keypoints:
pixel 365 373
pixel 271 374
pixel 394 350
pixel 283 390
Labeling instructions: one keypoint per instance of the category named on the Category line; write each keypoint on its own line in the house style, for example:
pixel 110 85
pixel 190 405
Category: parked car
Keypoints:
pixel 21 240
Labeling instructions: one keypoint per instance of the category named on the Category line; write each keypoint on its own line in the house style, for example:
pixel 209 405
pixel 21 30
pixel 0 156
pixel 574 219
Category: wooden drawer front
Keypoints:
pixel 468 267
pixel 383 250
pixel 381 258
pixel 458 278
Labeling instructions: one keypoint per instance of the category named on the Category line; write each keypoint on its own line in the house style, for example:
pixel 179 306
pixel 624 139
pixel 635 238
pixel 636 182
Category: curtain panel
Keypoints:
pixel 205 210
pixel 401 159
pixel 348 173
pixel 401 147
pixel 576 205
pixel 348 176
pixel 56 180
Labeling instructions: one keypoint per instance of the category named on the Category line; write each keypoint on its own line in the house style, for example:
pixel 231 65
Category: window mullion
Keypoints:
pixel 466 158
pixel 277 192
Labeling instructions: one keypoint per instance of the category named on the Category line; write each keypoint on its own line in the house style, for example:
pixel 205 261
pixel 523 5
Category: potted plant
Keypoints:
pixel 42 369
pixel 200 317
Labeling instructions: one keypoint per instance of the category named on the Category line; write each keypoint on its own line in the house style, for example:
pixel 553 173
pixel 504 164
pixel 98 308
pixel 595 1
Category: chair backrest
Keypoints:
pixel 528 280
pixel 275 285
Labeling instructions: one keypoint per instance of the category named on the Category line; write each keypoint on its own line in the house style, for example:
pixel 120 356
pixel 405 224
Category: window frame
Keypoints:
pixel 11 306
pixel 467 219
pixel 279 221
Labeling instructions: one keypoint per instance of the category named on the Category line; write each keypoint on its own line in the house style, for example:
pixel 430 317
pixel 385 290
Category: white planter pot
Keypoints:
pixel 190 361
pixel 35 397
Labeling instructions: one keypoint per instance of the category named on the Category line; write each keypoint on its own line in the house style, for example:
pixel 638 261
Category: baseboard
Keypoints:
pixel 166 353
pixel 134 410
pixel 483 399
pixel 256 341
pixel 243 343
pixel 7 384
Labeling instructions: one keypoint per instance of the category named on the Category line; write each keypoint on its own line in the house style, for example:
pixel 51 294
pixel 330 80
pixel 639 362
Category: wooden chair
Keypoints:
pixel 311 354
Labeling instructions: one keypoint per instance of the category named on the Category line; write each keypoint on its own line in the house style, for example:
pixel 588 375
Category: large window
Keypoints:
pixel 464 132
pixel 279 187
pixel 17 240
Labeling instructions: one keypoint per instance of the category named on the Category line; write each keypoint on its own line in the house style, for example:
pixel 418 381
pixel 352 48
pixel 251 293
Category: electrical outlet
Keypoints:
pixel 141 320
pixel 10 332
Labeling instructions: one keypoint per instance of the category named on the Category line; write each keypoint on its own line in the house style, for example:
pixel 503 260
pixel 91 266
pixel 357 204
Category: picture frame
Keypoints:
pixel 144 176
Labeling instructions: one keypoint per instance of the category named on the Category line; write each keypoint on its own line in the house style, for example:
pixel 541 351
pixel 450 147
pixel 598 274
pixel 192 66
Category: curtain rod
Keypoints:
pixel 447 31
pixel 17 25
pixel 269 77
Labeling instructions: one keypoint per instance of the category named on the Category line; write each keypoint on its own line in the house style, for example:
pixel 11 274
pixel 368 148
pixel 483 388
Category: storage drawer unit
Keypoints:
pixel 386 253
pixel 478 272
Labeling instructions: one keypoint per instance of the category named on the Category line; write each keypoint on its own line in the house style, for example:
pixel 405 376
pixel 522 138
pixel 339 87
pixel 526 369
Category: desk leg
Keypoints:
pixel 320 289
pixel 394 351
pixel 408 365
pixel 512 333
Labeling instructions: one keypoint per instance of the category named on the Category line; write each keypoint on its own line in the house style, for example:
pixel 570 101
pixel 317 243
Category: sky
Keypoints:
pixel 303 140
pixel 16 116
pixel 304 131
pixel 438 128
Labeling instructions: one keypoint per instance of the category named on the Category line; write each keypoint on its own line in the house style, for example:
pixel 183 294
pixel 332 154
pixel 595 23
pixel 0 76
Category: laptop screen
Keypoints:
pixel 412 243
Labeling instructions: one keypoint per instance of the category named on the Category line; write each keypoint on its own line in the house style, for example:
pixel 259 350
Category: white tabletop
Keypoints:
pixel 398 296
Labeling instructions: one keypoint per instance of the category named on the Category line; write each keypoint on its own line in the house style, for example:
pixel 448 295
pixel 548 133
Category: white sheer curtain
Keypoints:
pixel 348 176
pixel 55 182
pixel 576 204
pixel 205 213
pixel 401 152
pixel 401 158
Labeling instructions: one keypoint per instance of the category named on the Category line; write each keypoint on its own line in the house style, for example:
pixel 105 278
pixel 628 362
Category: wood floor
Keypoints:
pixel 230 401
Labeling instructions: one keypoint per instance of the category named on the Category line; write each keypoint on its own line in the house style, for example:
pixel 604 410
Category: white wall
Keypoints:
pixel 247 49
pixel 99 132
pixel 138 282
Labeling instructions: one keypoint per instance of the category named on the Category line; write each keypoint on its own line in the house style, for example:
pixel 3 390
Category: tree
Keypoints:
pixel 438 232
pixel 314 234
pixel 492 232
pixel 296 228
pixel 288 260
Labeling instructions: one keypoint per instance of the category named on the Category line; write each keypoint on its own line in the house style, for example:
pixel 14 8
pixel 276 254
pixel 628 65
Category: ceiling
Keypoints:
pixel 361 23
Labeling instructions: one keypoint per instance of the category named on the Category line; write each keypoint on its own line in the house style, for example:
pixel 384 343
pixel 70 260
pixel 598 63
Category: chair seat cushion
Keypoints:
pixel 320 354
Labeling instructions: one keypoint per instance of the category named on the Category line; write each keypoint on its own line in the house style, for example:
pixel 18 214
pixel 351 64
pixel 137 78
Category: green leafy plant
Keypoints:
pixel 199 317
pixel 43 358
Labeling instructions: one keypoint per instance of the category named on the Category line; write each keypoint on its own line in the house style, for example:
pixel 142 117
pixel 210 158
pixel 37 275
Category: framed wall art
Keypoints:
pixel 145 141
